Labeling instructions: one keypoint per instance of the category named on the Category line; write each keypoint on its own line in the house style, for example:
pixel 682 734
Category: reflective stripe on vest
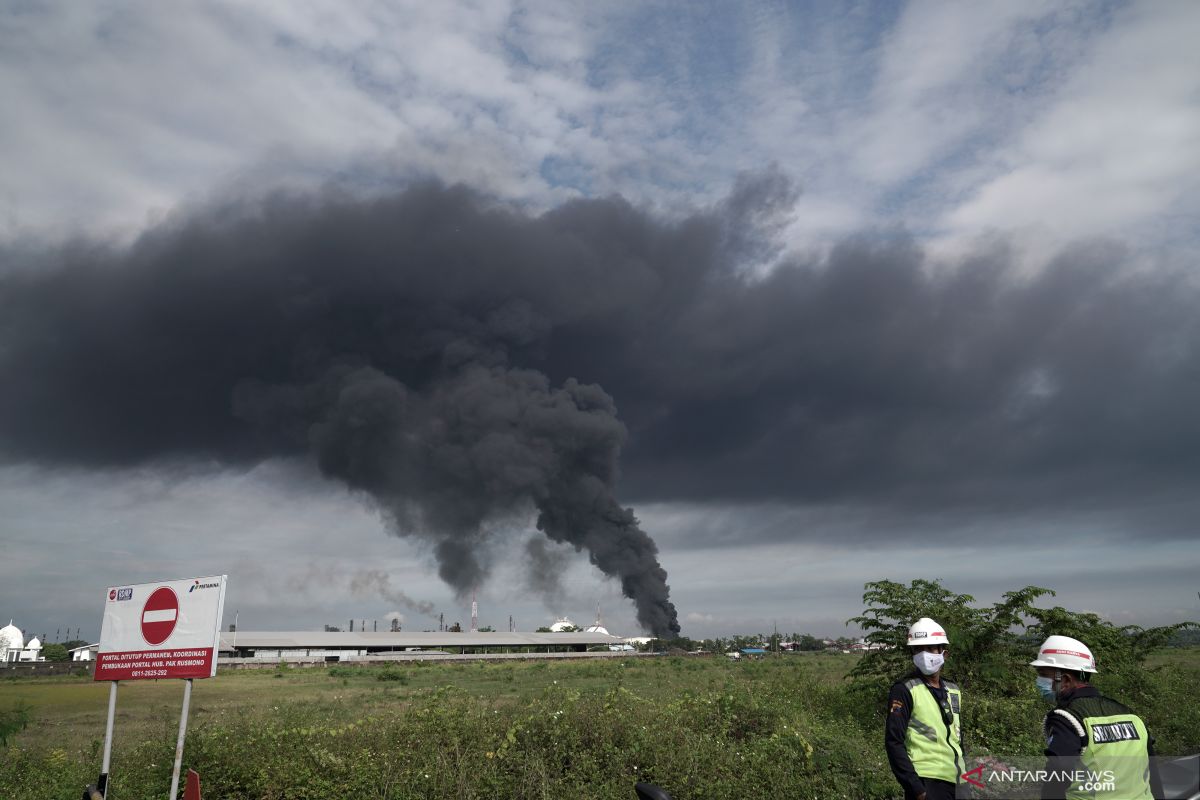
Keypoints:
pixel 1116 756
pixel 933 746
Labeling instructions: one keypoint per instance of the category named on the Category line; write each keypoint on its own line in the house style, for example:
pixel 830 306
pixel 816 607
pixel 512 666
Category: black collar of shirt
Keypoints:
pixel 1075 694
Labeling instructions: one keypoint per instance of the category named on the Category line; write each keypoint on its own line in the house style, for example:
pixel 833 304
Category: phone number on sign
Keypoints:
pixel 148 673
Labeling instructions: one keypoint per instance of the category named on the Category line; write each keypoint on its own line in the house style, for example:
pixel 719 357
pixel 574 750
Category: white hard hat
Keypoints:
pixel 926 631
pixel 1063 652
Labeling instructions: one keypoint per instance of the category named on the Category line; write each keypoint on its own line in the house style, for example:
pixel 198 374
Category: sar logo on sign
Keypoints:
pixel 159 615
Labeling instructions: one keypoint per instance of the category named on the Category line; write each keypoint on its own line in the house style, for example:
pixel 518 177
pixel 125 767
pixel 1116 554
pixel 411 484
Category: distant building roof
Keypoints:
pixel 334 640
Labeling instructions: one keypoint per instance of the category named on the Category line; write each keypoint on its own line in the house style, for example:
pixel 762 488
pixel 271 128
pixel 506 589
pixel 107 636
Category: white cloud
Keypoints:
pixel 952 120
pixel 1118 148
pixel 127 111
pixel 931 91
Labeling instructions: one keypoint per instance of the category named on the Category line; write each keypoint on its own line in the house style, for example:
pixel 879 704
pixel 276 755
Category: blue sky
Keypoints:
pixel 1036 124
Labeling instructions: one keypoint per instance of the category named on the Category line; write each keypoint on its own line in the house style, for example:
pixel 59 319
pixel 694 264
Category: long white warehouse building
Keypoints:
pixel 337 646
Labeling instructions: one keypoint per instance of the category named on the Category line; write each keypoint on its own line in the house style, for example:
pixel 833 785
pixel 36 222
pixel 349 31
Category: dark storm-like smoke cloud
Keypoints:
pixel 461 361
pixel 386 339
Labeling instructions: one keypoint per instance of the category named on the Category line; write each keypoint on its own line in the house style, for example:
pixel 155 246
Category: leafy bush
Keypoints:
pixel 989 652
pixel 984 643
pixel 55 652
pixel 392 675
pixel 14 720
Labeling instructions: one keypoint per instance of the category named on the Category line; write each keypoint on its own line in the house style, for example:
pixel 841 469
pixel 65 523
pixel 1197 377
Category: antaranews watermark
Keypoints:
pixel 998 777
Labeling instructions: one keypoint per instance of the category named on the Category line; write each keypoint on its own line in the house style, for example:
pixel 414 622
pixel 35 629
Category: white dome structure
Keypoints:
pixel 597 627
pixel 12 636
pixel 561 624
pixel 12 642
pixel 32 651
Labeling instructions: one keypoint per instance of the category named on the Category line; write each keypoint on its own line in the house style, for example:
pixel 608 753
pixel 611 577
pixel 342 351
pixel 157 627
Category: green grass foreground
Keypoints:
pixel 702 727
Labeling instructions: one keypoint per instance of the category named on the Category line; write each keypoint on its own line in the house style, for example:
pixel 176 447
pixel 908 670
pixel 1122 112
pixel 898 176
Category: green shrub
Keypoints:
pixel 989 652
pixel 55 652
pixel 13 720
pixel 392 675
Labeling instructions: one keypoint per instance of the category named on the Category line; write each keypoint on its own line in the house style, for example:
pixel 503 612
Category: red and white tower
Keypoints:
pixel 474 613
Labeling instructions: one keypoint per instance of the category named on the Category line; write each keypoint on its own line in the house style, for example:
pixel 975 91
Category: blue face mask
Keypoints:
pixel 1046 687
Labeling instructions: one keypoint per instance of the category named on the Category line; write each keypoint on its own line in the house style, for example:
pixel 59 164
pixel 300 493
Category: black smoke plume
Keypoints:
pixel 545 567
pixel 378 336
pixel 378 582
pixel 444 354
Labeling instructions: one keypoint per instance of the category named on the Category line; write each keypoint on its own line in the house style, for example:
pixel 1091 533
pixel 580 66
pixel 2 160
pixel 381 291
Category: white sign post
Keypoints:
pixel 168 629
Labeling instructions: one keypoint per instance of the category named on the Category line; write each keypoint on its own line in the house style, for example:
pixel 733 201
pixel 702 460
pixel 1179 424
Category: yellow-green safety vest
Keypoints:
pixel 1115 756
pixel 935 745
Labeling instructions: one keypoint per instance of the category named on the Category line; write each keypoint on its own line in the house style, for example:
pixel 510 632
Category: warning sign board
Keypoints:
pixel 168 629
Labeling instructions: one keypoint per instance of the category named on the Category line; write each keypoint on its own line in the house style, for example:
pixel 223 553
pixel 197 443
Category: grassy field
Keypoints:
pixel 65 710
pixel 701 726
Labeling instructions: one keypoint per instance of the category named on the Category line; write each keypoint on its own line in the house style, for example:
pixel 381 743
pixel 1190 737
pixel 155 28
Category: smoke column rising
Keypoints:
pixel 375 336
pixel 444 354
pixel 377 582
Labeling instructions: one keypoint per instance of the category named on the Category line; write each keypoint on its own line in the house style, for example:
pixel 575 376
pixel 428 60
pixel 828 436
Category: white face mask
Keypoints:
pixel 928 663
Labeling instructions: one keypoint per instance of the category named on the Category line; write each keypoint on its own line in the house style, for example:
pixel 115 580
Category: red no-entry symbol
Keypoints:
pixel 159 615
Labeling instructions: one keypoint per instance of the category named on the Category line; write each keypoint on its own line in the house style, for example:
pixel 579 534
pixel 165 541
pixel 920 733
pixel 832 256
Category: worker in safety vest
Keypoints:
pixel 1096 747
pixel 924 728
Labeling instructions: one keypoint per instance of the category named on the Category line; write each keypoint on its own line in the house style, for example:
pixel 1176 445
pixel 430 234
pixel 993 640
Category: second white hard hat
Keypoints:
pixel 1063 652
pixel 926 631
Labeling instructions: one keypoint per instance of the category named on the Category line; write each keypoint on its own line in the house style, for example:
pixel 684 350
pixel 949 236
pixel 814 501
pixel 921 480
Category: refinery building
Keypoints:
pixel 367 646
